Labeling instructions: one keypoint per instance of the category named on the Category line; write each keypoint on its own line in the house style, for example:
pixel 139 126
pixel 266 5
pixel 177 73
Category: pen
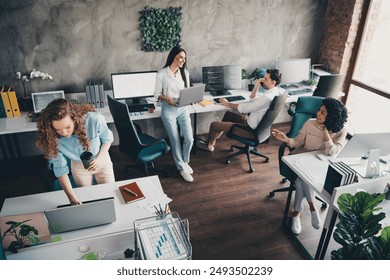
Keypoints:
pixel 130 192
pixel 158 212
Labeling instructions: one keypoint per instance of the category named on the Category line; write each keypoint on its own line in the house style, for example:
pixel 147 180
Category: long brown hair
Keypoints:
pixel 47 137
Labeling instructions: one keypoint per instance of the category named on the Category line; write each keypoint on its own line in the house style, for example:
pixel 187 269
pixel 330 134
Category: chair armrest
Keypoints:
pixel 284 170
pixel 291 108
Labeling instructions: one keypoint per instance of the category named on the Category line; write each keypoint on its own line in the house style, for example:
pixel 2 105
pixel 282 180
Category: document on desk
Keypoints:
pixel 314 172
pixel 153 196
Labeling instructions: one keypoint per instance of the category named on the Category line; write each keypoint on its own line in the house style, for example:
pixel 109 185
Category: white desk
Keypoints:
pixel 113 238
pixel 313 171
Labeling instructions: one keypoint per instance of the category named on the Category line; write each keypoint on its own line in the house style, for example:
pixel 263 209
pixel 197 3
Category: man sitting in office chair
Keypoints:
pixel 325 133
pixel 257 107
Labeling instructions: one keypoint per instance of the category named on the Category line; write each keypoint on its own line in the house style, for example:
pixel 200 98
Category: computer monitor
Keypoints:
pixel 219 79
pixel 294 71
pixel 133 87
pixel 361 144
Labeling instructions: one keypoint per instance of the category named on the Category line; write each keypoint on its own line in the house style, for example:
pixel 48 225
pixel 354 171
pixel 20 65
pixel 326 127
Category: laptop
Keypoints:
pixel 89 214
pixel 190 95
pixel 40 100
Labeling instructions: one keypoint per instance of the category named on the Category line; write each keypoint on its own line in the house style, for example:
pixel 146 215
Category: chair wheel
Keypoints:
pixel 227 161
pixel 266 160
pixel 251 170
pixel 324 206
pixel 271 194
pixel 231 149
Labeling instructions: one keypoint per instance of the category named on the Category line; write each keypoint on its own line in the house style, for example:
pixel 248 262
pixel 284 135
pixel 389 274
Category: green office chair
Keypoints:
pixel 140 147
pixel 260 135
pixel 306 108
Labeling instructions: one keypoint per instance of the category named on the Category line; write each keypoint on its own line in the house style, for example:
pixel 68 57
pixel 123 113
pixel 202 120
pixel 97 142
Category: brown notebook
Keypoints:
pixel 131 192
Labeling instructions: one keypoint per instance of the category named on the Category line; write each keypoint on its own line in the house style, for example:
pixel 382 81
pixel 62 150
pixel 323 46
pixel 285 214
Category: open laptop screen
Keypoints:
pixel 42 99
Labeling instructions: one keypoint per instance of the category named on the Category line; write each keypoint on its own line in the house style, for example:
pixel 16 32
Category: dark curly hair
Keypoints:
pixel 47 137
pixel 337 114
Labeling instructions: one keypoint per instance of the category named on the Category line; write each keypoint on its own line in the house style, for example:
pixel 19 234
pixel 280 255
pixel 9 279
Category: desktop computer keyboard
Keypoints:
pixel 299 91
pixel 231 98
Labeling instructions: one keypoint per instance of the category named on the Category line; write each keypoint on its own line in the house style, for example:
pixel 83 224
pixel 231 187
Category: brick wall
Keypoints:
pixel 341 24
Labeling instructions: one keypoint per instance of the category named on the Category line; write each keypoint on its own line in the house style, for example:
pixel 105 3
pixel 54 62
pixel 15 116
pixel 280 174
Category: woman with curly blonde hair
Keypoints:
pixel 65 131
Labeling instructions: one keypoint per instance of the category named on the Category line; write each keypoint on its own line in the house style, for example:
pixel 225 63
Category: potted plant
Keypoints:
pixel 256 74
pixel 359 231
pixel 25 102
pixel 23 233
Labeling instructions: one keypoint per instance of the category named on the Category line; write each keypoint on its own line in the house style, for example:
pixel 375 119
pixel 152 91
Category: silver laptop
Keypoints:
pixel 42 99
pixel 191 95
pixel 90 213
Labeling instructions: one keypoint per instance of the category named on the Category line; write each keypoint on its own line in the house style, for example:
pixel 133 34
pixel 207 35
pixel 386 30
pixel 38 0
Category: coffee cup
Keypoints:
pixel 86 158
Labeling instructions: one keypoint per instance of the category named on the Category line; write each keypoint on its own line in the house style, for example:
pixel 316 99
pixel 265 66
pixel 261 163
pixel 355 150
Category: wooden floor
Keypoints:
pixel 228 209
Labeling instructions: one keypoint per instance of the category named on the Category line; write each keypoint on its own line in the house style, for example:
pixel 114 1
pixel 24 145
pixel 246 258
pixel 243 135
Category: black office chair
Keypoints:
pixel 329 86
pixel 306 108
pixel 140 147
pixel 260 135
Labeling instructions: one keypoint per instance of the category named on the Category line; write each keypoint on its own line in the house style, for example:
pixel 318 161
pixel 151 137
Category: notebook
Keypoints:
pixel 90 213
pixel 191 95
pixel 131 192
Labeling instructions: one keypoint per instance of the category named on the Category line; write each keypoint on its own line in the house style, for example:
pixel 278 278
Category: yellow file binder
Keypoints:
pixel 14 102
pixel 7 104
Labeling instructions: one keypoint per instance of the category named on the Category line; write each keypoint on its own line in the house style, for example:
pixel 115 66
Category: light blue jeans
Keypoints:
pixel 172 118
pixel 302 190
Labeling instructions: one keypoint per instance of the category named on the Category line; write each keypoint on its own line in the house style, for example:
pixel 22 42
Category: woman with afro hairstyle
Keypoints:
pixel 327 132
pixel 65 131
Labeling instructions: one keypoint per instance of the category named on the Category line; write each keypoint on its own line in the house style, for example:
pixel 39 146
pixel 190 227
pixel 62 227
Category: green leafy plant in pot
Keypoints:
pixel 23 233
pixel 359 227
pixel 256 74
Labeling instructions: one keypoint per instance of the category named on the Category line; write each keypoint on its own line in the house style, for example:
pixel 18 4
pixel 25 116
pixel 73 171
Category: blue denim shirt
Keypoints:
pixel 70 148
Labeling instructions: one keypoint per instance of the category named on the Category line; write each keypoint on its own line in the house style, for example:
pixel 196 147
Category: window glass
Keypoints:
pixel 373 63
pixel 368 112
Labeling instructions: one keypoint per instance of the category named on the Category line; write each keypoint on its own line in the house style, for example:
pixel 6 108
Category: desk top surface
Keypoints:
pixel 24 124
pixel 125 213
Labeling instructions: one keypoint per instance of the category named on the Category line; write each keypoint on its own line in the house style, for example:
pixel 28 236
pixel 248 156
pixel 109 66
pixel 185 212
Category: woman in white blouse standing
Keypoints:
pixel 170 80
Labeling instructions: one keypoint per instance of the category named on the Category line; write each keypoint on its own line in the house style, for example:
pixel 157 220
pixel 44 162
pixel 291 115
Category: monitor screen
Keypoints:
pixel 360 145
pixel 293 70
pixel 219 79
pixel 133 85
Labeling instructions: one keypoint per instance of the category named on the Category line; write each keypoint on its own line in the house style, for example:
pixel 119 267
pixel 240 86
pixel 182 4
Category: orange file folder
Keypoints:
pixel 7 104
pixel 14 102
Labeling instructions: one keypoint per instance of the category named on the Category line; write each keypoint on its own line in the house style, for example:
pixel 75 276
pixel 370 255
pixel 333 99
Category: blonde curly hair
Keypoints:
pixel 47 137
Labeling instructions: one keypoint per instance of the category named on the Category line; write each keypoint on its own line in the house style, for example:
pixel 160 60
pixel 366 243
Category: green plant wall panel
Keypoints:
pixel 160 28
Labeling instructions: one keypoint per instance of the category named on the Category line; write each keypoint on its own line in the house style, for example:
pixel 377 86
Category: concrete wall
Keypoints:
pixel 78 40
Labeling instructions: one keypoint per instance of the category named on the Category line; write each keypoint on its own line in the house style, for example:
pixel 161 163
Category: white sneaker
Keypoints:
pixel 315 220
pixel 188 168
pixel 186 176
pixel 296 225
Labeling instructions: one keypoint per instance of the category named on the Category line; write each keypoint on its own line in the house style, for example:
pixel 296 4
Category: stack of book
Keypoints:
pixel 94 91
pixel 339 174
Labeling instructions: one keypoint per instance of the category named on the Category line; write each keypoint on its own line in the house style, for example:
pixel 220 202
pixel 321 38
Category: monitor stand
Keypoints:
pixel 136 101
pixel 137 104
pixel 220 92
